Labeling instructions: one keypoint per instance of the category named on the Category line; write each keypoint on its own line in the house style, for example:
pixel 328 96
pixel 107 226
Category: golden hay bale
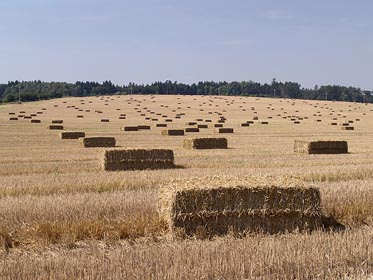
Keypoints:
pixel 93 142
pixel 347 128
pixel 55 127
pixel 202 126
pixel 35 121
pixel 239 204
pixel 105 120
pixel 245 124
pixel 57 121
pixel 130 128
pixel 137 159
pixel 218 125
pixel 224 130
pixel 72 135
pixel 190 123
pixel 206 143
pixel 192 129
pixel 320 147
pixel 161 125
pixel 13 119
pixel 143 127
pixel 173 132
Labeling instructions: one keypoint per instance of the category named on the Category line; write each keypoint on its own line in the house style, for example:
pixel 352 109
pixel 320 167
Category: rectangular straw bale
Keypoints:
pixel 13 119
pixel 137 159
pixel 224 130
pixel 55 127
pixel 143 127
pixel 347 128
pixel 173 132
pixel 202 126
pixel 72 135
pixel 118 155
pixel 35 121
pixel 190 123
pixel 218 125
pixel 57 121
pixel 220 206
pixel 130 128
pixel 192 129
pixel 93 142
pixel 320 147
pixel 161 125
pixel 206 143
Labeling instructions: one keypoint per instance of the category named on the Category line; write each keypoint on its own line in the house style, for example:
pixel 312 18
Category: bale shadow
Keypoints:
pixel 331 224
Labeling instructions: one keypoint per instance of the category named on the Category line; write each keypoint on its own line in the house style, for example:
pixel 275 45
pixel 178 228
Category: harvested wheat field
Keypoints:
pixel 63 216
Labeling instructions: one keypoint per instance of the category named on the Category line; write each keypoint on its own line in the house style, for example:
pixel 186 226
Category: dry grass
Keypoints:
pixel 296 256
pixel 62 217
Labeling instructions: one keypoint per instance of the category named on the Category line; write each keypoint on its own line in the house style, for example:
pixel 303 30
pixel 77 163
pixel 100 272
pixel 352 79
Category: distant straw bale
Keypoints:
pixel 55 127
pixel 206 143
pixel 57 121
pixel 192 129
pixel 320 147
pixel 130 128
pixel 72 135
pixel 94 142
pixel 224 130
pixel 173 132
pixel 143 127
pixel 202 126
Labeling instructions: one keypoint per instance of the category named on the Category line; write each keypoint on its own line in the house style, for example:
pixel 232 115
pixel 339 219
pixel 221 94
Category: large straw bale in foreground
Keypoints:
pixel 94 142
pixel 206 143
pixel 320 147
pixel 137 159
pixel 247 204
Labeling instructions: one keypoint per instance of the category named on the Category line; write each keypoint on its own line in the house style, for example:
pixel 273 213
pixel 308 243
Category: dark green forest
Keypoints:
pixel 38 90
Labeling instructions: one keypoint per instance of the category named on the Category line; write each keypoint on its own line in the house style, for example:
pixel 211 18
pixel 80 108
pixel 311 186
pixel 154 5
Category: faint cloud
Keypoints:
pixel 276 15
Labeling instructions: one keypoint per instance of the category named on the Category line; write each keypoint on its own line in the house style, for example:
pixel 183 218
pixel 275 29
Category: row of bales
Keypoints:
pixel 179 115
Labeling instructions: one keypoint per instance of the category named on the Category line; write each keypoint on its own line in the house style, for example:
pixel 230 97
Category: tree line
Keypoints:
pixel 37 90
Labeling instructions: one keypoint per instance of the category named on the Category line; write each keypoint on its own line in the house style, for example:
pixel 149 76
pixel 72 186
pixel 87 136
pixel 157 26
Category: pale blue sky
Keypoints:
pixel 311 42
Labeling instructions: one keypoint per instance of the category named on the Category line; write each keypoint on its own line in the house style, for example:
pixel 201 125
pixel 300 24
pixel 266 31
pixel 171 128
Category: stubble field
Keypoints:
pixel 61 216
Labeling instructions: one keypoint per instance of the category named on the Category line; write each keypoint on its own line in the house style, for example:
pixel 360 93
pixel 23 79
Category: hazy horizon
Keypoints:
pixel 318 42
